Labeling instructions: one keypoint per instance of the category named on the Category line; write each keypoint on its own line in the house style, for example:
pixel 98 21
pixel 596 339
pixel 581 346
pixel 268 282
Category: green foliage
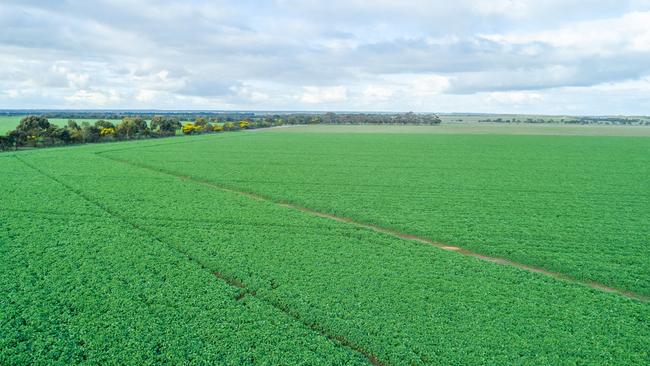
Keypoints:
pixel 6 143
pixel 107 132
pixel 132 127
pixel 201 122
pixel 129 281
pixel 90 133
pixel 189 129
pixel 36 131
pixel 33 125
pixel 164 125
pixel 73 125
pixel 201 125
pixel 104 124
pixel 230 126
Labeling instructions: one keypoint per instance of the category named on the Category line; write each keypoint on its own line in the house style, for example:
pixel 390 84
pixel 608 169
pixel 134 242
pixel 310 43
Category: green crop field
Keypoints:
pixel 255 248
pixel 8 123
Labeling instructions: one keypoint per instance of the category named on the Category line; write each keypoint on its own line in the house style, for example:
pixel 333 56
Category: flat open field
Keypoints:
pixel 323 245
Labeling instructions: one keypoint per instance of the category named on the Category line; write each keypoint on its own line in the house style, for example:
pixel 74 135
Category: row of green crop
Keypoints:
pixel 81 286
pixel 576 205
pixel 404 302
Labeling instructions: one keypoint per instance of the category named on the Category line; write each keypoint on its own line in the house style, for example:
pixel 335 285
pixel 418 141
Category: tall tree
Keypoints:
pixel 132 127
pixel 165 126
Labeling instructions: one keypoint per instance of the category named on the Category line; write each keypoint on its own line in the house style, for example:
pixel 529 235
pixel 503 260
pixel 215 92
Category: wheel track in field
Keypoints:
pixel 243 289
pixel 443 246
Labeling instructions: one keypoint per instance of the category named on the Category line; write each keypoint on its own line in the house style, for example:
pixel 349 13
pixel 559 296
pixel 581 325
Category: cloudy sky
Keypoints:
pixel 552 56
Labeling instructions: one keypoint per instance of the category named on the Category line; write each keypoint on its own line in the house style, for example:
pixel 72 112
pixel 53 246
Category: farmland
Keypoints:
pixel 206 249
pixel 572 204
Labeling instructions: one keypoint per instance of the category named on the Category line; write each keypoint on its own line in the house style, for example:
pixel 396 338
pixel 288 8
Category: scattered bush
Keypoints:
pixel 189 128
pixel 104 132
pixel 229 126
pixel 6 143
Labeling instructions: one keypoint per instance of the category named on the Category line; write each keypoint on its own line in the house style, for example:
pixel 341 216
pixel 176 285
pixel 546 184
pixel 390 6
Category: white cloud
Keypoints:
pixel 375 93
pixel 629 32
pixel 249 92
pixel 420 85
pixel 85 98
pixel 317 95
pixel 508 8
pixel 468 55
pixel 79 81
pixel 514 98
pixel 146 95
pixel 12 93
pixel 429 85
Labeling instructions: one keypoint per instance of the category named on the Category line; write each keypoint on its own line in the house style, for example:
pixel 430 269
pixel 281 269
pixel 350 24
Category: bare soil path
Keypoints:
pixel 394 233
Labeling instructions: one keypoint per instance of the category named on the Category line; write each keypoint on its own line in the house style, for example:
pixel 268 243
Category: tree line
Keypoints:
pixel 37 131
pixel 624 121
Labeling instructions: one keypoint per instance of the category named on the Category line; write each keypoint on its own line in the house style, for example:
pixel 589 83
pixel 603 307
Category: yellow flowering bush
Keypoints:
pixel 188 128
pixel 107 131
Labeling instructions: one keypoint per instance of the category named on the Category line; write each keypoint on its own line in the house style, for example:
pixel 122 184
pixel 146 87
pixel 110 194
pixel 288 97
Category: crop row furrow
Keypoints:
pixel 395 233
pixel 319 329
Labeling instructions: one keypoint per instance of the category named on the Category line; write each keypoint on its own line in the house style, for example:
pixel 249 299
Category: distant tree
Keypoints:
pixel 72 125
pixel 132 127
pixel 230 126
pixel 33 124
pixel 57 136
pixel 165 126
pixel 104 124
pixel 74 129
pixel 32 131
pixel 265 122
pixel 6 143
pixel 89 133
pixel 409 118
pixel 329 118
pixel 19 137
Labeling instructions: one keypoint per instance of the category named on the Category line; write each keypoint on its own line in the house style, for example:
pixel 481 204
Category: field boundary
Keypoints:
pixel 243 289
pixel 394 233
